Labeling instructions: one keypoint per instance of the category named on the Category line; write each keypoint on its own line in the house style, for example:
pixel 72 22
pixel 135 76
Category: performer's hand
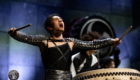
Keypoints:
pixel 116 42
pixel 13 31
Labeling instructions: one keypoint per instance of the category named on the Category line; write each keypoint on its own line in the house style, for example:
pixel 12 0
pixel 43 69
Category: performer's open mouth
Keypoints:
pixel 61 25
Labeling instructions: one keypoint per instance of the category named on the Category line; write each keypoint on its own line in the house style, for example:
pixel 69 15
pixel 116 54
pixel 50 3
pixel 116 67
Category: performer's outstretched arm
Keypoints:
pixel 91 45
pixel 30 39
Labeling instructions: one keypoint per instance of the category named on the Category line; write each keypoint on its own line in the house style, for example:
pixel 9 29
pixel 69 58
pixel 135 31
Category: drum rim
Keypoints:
pixel 127 70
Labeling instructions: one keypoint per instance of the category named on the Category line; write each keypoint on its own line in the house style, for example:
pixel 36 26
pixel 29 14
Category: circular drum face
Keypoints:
pixel 79 27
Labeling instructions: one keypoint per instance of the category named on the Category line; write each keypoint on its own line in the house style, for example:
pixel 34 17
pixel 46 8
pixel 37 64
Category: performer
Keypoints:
pixel 85 60
pixel 56 50
pixel 108 63
pixel 111 62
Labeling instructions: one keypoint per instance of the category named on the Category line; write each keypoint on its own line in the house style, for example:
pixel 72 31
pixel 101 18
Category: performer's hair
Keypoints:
pixel 106 61
pixel 90 36
pixel 48 21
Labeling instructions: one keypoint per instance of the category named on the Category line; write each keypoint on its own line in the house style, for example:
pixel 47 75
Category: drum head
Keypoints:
pixel 79 27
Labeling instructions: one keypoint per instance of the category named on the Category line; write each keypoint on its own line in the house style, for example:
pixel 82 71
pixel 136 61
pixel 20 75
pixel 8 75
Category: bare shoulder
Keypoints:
pixel 70 39
pixel 44 42
pixel 42 45
pixel 71 42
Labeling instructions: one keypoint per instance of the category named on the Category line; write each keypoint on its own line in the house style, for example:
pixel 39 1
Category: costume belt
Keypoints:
pixel 57 75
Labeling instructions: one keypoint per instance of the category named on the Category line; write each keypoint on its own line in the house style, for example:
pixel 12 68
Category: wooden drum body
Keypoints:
pixel 109 74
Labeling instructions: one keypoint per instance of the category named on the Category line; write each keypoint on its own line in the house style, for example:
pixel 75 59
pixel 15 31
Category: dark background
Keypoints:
pixel 26 58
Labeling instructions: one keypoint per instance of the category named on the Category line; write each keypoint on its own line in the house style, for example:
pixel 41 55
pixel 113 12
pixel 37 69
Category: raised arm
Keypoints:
pixel 30 39
pixel 91 45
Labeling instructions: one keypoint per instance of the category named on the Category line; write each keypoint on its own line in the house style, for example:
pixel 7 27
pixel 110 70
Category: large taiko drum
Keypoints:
pixel 109 74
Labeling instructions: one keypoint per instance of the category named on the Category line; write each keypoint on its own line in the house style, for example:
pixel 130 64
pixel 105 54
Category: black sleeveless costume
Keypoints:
pixel 56 62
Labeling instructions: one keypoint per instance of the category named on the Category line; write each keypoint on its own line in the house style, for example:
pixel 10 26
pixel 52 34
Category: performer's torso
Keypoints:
pixel 52 54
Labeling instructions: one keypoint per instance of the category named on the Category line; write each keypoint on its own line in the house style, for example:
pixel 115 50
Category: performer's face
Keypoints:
pixel 111 65
pixel 57 24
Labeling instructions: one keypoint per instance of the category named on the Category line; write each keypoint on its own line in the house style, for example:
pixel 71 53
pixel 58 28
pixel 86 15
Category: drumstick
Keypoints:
pixel 23 27
pixel 125 32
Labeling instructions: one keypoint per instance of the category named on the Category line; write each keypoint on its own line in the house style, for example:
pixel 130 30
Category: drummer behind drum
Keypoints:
pixel 111 62
pixel 108 63
pixel 85 60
